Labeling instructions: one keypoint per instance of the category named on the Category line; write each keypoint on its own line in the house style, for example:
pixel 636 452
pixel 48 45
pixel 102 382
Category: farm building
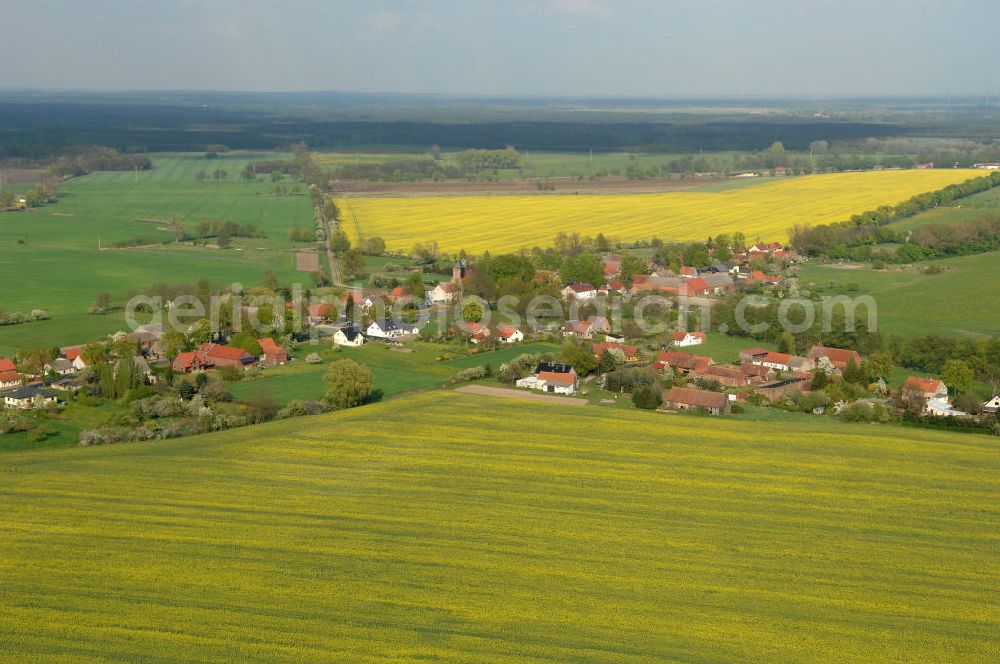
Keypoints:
pixel 271 353
pixel 631 352
pixel 687 398
pixel 838 357
pixel 579 292
pixel 687 338
pixel 915 387
pixel 682 362
pixel 552 378
pixel 217 355
pixel 440 294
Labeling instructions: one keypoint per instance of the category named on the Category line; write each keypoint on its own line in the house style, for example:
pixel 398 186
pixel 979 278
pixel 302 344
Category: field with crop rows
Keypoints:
pixel 451 527
pixel 508 223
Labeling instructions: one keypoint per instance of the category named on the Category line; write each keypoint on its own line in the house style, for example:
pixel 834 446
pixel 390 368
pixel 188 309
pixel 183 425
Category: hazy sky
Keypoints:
pixel 531 47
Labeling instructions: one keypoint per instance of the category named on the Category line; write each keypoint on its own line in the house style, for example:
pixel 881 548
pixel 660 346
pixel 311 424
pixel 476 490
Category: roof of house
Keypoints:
pixel 580 288
pixel 387 324
pixel 188 359
pixel 578 326
pixel 7 364
pixel 269 347
pixel 321 310
pixel 683 360
pixel 398 292
pixel 838 356
pixel 925 385
pixel 717 279
pixel 777 358
pixel 506 331
pixel 630 351
pixel 680 336
pixel 351 332
pixel 28 392
pixel 552 367
pixel 9 376
pixel 692 397
pixel 71 352
pixel 446 287
pixel 720 371
pixel 688 271
pixel 223 352
pixel 554 377
pixel 353 296
pixel 697 284
pixel 754 352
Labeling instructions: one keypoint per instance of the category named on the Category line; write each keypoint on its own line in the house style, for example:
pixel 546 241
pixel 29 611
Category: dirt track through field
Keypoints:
pixel 484 390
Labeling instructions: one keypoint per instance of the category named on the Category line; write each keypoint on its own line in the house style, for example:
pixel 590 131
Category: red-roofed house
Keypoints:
pixel 227 356
pixel 924 388
pixel 508 334
pixel 727 376
pixel 554 382
pixel 397 293
pixel 189 362
pixel 441 294
pixel 579 328
pixel 696 286
pixel 683 362
pixel 688 338
pixel 579 292
pixel 631 352
pixel 687 272
pixel 272 354
pixel 838 357
pixel 686 398
pixel 8 374
pixel 477 332
pixel 324 312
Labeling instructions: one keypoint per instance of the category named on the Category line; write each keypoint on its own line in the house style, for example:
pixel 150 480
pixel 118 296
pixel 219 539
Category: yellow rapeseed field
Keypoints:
pixel 450 527
pixel 763 211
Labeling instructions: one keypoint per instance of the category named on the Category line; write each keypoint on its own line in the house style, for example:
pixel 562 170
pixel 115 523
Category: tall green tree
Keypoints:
pixel 348 384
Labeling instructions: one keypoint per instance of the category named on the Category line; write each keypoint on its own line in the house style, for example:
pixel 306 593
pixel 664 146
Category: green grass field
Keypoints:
pixel 452 527
pixel 52 253
pixel 394 372
pixel 910 303
pixel 966 209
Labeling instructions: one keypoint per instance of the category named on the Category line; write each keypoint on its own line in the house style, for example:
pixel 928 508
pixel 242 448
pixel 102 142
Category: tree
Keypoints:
pixel 631 266
pixel 330 210
pixel 472 311
pixel 373 246
pixel 510 266
pixel 583 269
pixel 579 356
pixel 102 302
pixel 786 343
pixel 352 264
pixel 648 397
pixel 879 364
pixel 957 374
pixel 436 152
pixel 853 372
pixel 348 384
pixel 270 281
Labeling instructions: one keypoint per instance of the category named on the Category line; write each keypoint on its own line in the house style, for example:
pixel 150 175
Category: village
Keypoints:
pixel 586 357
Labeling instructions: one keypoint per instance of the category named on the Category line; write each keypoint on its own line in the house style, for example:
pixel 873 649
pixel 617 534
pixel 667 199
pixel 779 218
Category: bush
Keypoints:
pixel 14 422
pixel 470 374
pixel 39 314
pixel 314 358
pixel 648 397
pixel 39 434
pixel 300 408
pixel 216 392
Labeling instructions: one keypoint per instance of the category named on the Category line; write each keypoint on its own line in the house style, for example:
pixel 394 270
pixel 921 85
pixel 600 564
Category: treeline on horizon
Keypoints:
pixel 36 130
